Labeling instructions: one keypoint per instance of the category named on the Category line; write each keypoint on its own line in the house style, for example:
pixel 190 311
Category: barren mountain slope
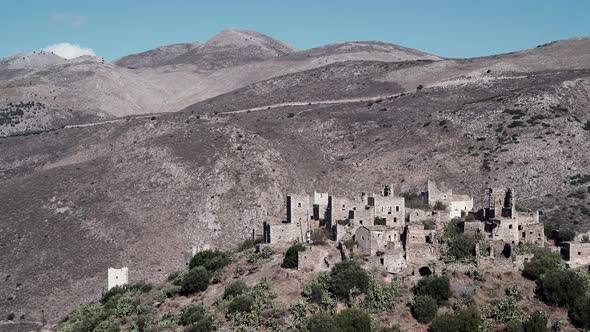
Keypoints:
pixel 156 57
pixel 84 90
pixel 141 192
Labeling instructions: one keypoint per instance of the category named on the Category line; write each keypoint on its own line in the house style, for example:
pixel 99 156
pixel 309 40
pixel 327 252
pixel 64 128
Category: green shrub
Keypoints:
pixel 380 296
pixel 197 280
pixel 197 318
pixel 345 276
pixel 10 316
pixel 291 260
pixel 379 221
pixel 466 320
pixel 543 261
pixel 514 291
pixel 348 320
pixel 242 303
pixel 536 323
pixel 84 318
pixel 424 308
pixel 579 313
pixel 210 260
pixel 350 244
pixel 394 328
pixel 437 287
pixel 234 289
pixel 353 320
pixel 561 287
pixel 322 322
pixel 415 201
pixel 461 247
pixel 247 244
pixel 343 222
pixel 440 206
pixel 429 225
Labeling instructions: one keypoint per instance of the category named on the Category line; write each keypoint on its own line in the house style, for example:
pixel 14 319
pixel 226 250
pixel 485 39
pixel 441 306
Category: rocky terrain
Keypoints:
pixel 112 166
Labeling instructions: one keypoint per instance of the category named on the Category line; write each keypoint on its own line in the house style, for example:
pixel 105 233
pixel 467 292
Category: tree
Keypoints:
pixel 291 260
pixel 561 287
pixel 543 261
pixel 437 287
pixel 424 308
pixel 196 280
pixel 345 276
pixel 580 312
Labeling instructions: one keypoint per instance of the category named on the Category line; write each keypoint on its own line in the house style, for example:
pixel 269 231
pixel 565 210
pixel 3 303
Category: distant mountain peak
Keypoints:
pixel 248 38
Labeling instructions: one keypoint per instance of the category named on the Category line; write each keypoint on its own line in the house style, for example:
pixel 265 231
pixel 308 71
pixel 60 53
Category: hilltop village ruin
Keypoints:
pixel 398 239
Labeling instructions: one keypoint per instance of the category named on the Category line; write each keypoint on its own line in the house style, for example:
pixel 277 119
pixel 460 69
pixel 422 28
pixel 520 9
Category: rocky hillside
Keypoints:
pixel 140 191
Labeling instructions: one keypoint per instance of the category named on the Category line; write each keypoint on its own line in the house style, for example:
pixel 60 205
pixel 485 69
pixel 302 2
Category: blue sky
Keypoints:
pixel 461 28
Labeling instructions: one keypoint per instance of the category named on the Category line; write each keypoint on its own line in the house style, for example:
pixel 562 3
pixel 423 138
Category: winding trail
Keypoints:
pixel 254 109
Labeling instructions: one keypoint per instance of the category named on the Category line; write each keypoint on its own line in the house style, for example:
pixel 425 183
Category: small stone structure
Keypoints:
pixel 117 277
pixel 576 254
pixel 457 205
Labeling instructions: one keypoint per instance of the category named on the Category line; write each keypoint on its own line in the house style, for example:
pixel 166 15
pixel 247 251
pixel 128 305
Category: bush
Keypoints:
pixel 561 287
pixel 440 206
pixel 234 289
pixel 345 276
pixel 580 312
pixel 348 320
pixel 543 261
pixel 198 317
pixel 196 280
pixel 536 323
pixel 424 308
pixel 242 303
pixel 322 322
pixel 10 316
pixel 461 247
pixel 429 225
pixel 247 244
pixel 210 260
pixel 379 221
pixel 466 320
pixel 353 319
pixel 415 201
pixel 380 296
pixel 343 222
pixel 291 260
pixel 437 287
pixel 85 318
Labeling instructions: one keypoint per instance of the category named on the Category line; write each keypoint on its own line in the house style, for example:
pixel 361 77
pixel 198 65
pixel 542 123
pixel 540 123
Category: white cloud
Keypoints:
pixel 69 51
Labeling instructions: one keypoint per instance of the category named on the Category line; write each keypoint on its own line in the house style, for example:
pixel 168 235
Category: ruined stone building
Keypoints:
pixel 576 254
pixel 457 205
pixel 345 214
pixel 501 224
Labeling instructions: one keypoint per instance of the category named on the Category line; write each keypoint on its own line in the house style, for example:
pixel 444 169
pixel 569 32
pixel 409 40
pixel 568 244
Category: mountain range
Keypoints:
pixel 135 162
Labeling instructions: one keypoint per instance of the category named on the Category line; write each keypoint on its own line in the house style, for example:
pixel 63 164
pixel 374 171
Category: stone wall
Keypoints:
pixel 576 254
